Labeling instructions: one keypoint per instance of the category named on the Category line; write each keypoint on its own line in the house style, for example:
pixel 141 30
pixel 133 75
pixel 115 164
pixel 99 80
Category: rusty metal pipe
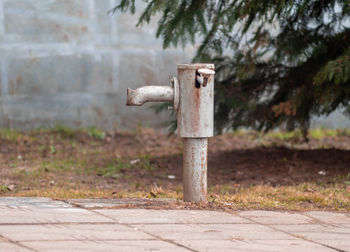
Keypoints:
pixel 144 94
pixel 195 169
pixel 195 120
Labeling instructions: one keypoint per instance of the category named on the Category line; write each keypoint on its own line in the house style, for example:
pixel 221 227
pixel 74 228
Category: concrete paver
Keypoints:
pixel 72 232
pixel 129 246
pixel 341 245
pixel 32 202
pixel 131 216
pixel 28 215
pixel 255 245
pixel 330 217
pixel 22 210
pixel 120 203
pixel 275 217
pixel 41 224
pixel 337 236
pixel 6 246
pixel 214 231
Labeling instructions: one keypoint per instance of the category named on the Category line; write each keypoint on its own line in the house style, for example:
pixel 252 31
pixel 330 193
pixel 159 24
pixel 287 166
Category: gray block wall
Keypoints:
pixel 69 62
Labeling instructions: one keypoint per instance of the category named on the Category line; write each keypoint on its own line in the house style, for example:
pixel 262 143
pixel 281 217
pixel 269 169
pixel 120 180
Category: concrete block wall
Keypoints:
pixel 69 62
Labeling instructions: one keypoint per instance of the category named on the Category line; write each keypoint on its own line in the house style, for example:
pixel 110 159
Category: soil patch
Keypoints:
pixel 152 162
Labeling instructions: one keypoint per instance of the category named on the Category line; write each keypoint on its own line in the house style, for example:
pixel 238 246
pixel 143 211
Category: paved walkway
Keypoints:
pixel 41 224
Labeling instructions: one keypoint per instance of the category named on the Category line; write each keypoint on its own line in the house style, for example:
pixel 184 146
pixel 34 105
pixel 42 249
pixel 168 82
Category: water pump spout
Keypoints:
pixel 144 94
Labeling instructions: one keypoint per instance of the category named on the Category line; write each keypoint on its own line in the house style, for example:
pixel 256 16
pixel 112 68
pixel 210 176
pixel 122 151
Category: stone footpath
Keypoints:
pixel 42 224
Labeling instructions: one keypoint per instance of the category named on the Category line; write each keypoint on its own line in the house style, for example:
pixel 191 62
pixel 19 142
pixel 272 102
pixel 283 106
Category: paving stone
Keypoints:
pixel 20 215
pixel 6 246
pixel 171 216
pixel 213 231
pixel 71 232
pixel 330 217
pixel 274 217
pixel 254 245
pixel 104 246
pixel 43 224
pixel 342 245
pixel 316 231
pixel 333 235
pixel 208 245
pixel 37 202
pixel 109 203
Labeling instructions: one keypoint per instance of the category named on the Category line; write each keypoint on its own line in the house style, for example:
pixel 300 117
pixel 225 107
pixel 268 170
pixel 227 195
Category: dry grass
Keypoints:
pixel 64 163
pixel 301 197
pixel 306 196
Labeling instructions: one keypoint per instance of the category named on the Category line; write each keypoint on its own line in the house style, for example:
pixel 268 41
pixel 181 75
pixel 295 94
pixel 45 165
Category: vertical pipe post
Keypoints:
pixel 195 121
pixel 195 169
pixel 192 95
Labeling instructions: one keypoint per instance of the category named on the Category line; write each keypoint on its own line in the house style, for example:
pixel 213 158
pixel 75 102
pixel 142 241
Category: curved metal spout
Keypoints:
pixel 141 95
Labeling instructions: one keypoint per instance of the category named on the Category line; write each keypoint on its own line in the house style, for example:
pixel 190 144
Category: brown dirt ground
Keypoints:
pixel 239 160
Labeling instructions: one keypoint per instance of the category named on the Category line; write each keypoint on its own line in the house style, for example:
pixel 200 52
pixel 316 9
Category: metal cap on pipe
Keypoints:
pixel 195 66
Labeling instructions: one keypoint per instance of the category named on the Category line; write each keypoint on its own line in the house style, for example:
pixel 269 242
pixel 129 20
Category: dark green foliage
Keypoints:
pixel 276 61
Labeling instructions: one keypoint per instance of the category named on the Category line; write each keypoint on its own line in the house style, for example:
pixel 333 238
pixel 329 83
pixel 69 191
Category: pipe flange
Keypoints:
pixel 175 84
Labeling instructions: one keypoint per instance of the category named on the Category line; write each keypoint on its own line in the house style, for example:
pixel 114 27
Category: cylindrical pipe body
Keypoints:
pixel 144 94
pixel 192 94
pixel 195 117
pixel 195 169
pixel 195 122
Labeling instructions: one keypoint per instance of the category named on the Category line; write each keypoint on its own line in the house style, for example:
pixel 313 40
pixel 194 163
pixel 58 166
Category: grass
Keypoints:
pixel 48 169
pixel 296 135
pixel 305 196
pixel 63 131
pixel 112 170
pixel 95 133
pixel 3 189
pixel 14 135
pixel 302 197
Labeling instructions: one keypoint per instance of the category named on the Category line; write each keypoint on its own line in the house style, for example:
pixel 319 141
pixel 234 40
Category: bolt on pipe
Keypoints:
pixel 192 95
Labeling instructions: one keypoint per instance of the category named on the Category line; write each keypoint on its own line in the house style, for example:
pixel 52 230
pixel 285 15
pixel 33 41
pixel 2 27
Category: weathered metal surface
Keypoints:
pixel 203 75
pixel 175 84
pixel 141 95
pixel 196 112
pixel 195 66
pixel 195 169
pixel 193 97
pixel 206 72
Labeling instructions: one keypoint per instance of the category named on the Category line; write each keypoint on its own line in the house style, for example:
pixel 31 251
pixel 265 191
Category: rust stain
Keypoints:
pixel 197 101
pixel 203 174
pixel 84 28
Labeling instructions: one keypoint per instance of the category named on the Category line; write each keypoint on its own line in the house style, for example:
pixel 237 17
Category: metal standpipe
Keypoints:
pixel 192 95
pixel 195 169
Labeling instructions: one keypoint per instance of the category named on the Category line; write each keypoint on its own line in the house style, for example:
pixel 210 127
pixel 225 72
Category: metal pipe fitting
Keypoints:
pixel 195 169
pixel 192 95
pixel 144 94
